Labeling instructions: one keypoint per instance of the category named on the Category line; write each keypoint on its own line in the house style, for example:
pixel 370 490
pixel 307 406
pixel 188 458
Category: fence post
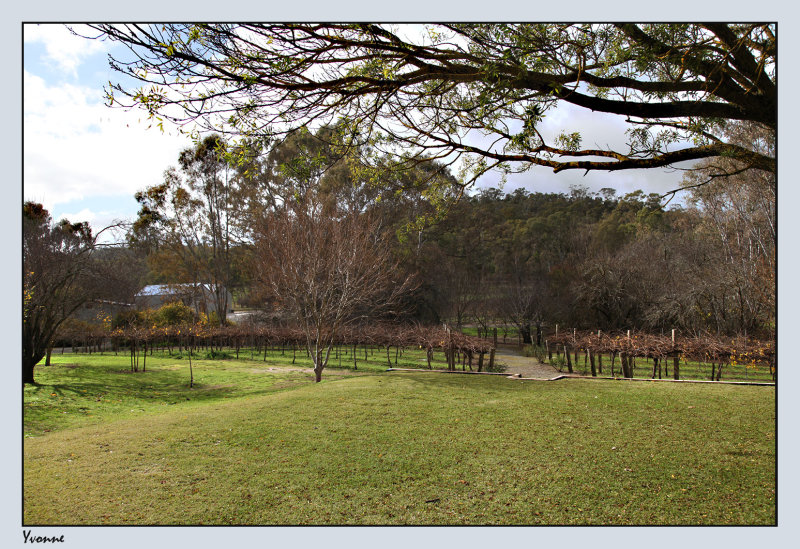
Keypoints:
pixel 675 359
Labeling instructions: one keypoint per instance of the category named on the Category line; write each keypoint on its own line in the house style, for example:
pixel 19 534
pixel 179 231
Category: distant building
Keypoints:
pixel 98 311
pixel 198 296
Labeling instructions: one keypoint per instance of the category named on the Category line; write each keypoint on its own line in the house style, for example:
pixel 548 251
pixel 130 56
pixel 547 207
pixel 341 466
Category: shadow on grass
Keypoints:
pixel 67 397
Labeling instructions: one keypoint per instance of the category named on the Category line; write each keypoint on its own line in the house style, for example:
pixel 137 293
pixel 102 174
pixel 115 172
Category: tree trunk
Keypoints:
pixel 569 359
pixel 591 363
pixel 624 365
pixel 191 371
pixel 27 371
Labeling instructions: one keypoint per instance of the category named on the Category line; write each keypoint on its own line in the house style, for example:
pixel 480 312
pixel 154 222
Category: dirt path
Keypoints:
pixel 511 356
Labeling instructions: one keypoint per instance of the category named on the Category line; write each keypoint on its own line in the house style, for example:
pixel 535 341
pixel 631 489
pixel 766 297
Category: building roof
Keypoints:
pixel 172 289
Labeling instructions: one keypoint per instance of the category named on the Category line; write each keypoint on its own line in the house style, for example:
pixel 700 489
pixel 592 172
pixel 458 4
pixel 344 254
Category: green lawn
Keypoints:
pixel 271 447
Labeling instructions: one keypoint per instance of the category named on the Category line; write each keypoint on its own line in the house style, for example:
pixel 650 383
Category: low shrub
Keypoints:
pixel 535 351
pixel 174 314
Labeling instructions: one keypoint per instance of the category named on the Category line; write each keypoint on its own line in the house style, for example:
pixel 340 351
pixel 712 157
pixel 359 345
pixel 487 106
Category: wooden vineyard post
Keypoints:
pixel 626 362
pixel 675 359
pixel 591 363
pixel 599 355
pixel 491 358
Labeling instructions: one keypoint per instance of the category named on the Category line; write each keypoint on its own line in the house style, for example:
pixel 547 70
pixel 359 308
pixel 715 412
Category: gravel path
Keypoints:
pixel 530 367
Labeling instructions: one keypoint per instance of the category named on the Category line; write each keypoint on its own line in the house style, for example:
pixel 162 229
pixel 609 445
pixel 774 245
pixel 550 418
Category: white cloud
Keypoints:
pixel 64 50
pixel 598 131
pixel 76 147
pixel 83 215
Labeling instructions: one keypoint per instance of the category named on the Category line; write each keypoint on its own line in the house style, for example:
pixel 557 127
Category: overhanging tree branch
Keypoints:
pixel 426 92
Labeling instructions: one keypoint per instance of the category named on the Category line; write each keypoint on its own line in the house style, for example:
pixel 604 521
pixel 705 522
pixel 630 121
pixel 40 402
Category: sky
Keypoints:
pixel 84 160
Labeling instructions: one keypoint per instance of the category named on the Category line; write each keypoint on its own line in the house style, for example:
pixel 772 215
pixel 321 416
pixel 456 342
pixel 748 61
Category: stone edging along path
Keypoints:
pixel 576 376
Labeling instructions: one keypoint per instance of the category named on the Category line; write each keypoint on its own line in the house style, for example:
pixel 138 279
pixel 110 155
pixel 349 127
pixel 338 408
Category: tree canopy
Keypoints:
pixel 474 92
pixel 59 276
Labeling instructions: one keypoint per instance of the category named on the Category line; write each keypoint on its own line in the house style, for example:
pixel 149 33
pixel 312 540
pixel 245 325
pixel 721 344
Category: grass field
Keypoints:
pixel 257 442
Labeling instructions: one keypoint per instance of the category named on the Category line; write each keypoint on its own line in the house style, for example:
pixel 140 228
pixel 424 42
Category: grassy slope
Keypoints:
pixel 82 389
pixel 420 449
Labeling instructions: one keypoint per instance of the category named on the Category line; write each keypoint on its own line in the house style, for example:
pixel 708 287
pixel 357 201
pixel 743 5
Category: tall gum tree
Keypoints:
pixel 430 92
pixel 193 220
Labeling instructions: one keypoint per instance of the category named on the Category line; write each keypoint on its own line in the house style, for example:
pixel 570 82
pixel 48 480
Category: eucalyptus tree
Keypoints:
pixel 474 92
pixel 739 211
pixel 194 218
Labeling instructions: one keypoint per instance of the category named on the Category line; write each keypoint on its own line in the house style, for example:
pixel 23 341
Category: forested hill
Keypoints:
pixel 602 262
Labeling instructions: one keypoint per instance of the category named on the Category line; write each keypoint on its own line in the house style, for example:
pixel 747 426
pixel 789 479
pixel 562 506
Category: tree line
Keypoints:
pixel 349 132
pixel 310 234
pixel 597 261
